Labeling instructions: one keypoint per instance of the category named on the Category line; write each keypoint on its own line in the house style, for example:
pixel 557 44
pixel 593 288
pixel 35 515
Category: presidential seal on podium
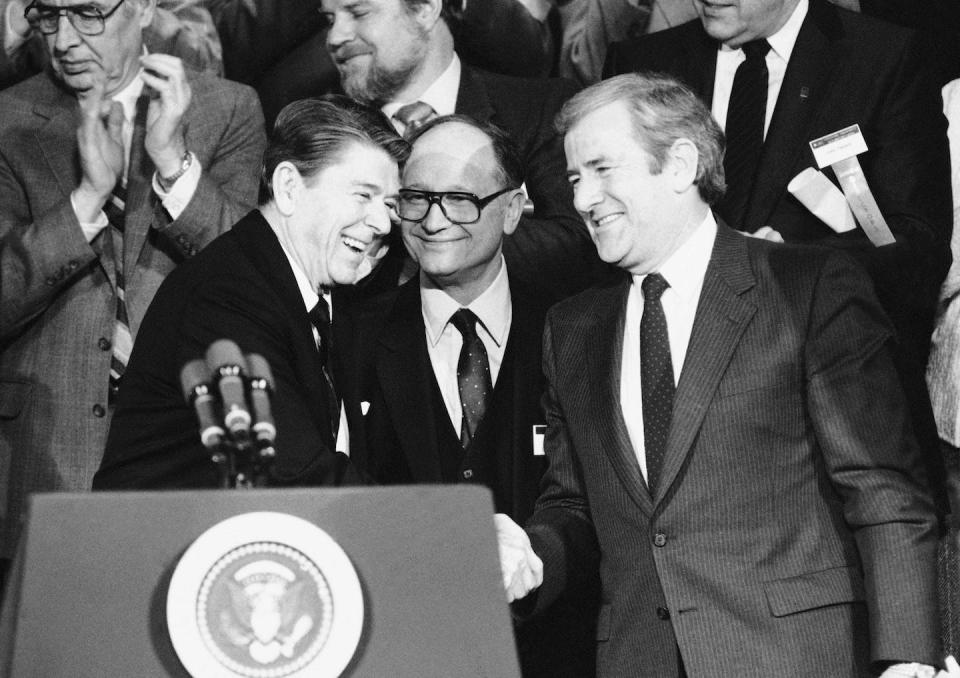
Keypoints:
pixel 265 595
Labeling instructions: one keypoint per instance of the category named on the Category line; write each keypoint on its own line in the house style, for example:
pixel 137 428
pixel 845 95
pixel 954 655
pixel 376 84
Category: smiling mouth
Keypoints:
pixel 606 219
pixel 357 246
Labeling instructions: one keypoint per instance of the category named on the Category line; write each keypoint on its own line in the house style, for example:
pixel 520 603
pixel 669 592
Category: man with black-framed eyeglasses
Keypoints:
pixel 116 165
pixel 449 363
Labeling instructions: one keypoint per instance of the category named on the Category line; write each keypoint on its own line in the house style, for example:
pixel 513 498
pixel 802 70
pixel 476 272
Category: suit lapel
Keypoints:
pixel 403 367
pixel 722 316
pixel 805 84
pixel 260 245
pixel 603 344
pixel 472 98
pixel 700 62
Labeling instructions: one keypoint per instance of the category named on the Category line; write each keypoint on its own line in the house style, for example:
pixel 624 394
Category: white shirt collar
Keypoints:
pixel 441 94
pixel 782 42
pixel 492 307
pixel 686 268
pixel 127 97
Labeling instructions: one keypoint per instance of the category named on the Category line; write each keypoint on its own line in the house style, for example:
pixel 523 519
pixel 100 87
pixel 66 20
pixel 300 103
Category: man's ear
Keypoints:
pixel 287 182
pixel 427 13
pixel 513 211
pixel 147 12
pixel 681 163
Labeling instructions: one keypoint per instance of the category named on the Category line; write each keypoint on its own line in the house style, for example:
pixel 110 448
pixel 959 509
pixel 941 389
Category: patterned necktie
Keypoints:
pixel 414 116
pixel 656 376
pixel 744 129
pixel 320 317
pixel 473 375
pixel 115 209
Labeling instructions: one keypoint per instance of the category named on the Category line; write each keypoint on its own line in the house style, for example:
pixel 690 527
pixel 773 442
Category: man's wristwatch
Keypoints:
pixel 166 183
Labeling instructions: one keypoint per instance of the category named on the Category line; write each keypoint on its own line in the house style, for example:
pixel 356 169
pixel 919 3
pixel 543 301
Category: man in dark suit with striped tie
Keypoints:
pixel 448 364
pixel 116 166
pixel 726 422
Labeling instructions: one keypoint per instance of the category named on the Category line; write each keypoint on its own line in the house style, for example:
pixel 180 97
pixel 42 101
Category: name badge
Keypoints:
pixel 539 430
pixel 840 145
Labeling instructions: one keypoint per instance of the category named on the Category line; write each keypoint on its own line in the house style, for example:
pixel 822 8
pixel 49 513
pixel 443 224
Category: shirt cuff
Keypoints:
pixel 176 200
pixel 90 228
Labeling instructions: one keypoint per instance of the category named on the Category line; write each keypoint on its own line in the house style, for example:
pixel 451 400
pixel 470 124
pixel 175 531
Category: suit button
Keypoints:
pixel 51 281
pixel 104 344
pixel 663 613
pixel 660 539
pixel 468 474
pixel 98 410
pixel 73 265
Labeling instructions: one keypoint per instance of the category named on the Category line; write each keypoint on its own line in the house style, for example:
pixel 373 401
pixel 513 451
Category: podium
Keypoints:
pixel 87 594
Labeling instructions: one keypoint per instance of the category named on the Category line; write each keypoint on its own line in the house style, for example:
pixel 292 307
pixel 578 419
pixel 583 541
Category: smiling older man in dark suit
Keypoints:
pixel 727 423
pixel 115 167
pixel 449 364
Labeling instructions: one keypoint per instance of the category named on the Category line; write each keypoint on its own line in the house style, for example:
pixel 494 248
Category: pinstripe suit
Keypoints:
pixel 788 515
pixel 57 292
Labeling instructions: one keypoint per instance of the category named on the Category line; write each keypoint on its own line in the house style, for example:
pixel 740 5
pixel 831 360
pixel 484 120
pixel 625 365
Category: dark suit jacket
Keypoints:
pixel 788 532
pixel 240 288
pixel 57 294
pixel 551 249
pixel 845 68
pixel 399 443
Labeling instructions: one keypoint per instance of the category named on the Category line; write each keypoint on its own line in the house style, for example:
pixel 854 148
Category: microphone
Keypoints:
pixel 226 362
pixel 261 386
pixel 196 391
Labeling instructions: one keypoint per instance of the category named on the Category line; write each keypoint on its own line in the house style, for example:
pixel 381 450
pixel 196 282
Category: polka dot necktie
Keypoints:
pixel 656 376
pixel 414 116
pixel 746 114
pixel 473 375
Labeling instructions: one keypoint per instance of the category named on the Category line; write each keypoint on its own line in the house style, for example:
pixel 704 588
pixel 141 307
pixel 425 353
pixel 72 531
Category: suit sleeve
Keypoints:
pixel 551 248
pixel 39 256
pixel 908 169
pixel 561 530
pixel 143 454
pixel 230 178
pixel 873 462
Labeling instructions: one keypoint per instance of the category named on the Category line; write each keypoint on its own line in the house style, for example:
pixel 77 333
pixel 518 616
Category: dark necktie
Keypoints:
pixel 656 376
pixel 473 375
pixel 414 116
pixel 320 317
pixel 744 130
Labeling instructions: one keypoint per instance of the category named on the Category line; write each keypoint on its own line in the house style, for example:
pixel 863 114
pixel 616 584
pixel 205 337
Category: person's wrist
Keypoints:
pixel 167 180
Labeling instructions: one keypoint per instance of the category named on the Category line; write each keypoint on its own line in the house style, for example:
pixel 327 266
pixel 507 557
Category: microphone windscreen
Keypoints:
pixel 193 374
pixel 224 352
pixel 259 368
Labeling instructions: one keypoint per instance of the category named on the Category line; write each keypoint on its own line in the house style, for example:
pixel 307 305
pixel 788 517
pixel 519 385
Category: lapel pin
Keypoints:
pixel 804 93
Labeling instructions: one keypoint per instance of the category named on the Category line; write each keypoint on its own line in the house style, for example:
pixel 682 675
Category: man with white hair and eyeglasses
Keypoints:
pixel 116 166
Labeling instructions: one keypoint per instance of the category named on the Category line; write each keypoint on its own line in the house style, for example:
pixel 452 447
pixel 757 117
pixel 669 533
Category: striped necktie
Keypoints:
pixel 414 116
pixel 115 209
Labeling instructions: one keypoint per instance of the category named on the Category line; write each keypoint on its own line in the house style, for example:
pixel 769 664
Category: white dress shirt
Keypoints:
pixel 494 309
pixel 175 200
pixel 684 272
pixel 310 299
pixel 441 95
pixel 728 60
